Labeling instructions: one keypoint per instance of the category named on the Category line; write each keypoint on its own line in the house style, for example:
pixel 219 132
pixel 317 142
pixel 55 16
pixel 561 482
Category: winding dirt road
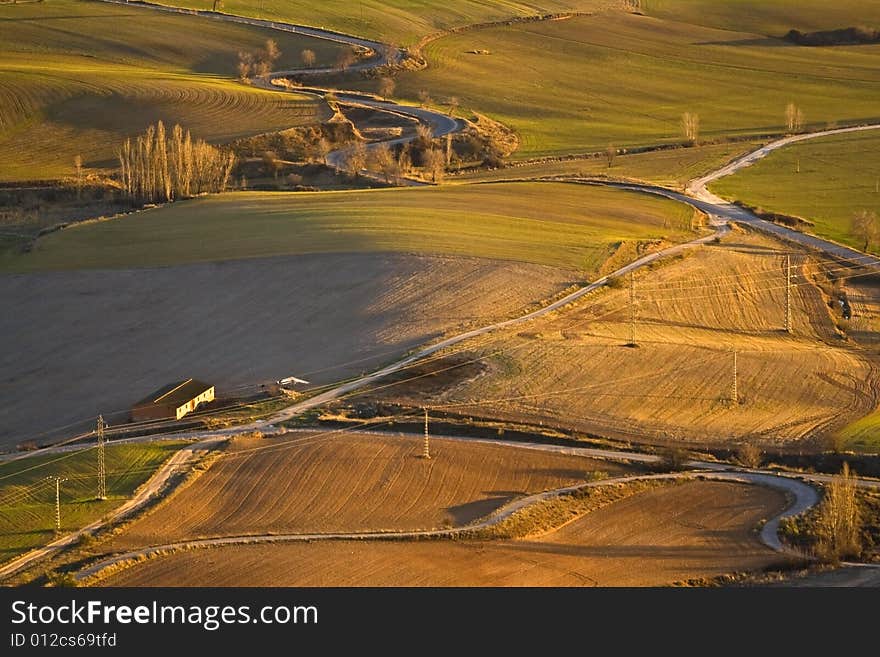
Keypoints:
pixel 720 211
pixel 802 495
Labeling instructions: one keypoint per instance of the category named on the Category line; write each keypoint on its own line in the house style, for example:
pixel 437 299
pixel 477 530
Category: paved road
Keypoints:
pixel 151 488
pixel 696 189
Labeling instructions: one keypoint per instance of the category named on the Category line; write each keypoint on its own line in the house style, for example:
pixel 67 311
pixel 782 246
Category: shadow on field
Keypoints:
pixel 464 513
pixel 761 42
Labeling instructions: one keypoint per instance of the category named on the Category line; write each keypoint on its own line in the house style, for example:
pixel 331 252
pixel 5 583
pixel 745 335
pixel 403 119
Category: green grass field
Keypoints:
pixel 580 84
pixel 838 176
pixel 27 499
pixel 76 77
pixel 672 168
pixel 770 17
pixel 577 230
pixel 396 21
pixel 863 435
pixel 404 21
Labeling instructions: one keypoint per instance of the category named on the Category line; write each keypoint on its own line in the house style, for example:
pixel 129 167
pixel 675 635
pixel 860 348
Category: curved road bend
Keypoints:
pixel 696 189
pixel 441 124
pixel 802 497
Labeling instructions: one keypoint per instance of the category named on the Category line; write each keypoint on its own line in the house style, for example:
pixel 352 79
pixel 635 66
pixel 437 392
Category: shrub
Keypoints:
pixel 750 456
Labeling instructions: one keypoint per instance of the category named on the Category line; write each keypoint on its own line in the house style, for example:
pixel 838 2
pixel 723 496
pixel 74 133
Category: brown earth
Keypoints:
pixel 352 482
pixel 692 313
pixel 121 334
pixel 665 535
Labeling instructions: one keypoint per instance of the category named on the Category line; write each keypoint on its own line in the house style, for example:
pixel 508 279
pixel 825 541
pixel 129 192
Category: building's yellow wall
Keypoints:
pixel 191 405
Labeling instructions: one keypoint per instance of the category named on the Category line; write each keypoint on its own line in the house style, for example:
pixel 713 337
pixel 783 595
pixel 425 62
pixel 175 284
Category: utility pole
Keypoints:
pixel 102 474
pixel 788 293
pixel 632 309
pixel 426 452
pixel 58 481
pixel 734 396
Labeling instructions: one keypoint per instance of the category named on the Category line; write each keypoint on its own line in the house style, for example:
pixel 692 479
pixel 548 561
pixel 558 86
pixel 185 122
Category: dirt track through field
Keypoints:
pixel 668 534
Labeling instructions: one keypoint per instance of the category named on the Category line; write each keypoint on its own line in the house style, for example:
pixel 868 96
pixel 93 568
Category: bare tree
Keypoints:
pixel 453 105
pixel 690 126
pixel 245 66
pixel 610 155
pixel 354 159
pixel 424 98
pixel 404 160
pixel 271 51
pixel 750 455
pixel 839 525
pixel 308 57
pixel 434 163
pixel 78 165
pixel 424 134
pixel 322 150
pixel 271 163
pixel 346 57
pixel 386 87
pixel 382 160
pixel 794 118
pixel 390 55
pixel 866 227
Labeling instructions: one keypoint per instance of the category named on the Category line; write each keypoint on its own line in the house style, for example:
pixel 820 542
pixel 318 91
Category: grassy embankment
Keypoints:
pixel 578 230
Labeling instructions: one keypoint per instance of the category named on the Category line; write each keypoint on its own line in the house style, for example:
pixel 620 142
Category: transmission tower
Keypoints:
pixel 102 473
pixel 632 309
pixel 788 294
pixel 426 451
pixel 58 481
pixel 734 396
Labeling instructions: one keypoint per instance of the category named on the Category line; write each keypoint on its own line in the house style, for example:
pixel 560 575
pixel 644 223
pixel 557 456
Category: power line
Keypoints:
pixel 426 451
pixel 102 475
pixel 788 294
pixel 734 393
pixel 58 481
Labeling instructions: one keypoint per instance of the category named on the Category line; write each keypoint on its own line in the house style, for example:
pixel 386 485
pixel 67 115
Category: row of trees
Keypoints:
pixel 258 63
pixel 795 122
pixel 157 167
pixel 391 164
pixel 794 118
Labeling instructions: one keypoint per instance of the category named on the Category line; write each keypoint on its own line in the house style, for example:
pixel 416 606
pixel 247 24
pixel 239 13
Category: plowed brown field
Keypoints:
pixel 352 483
pixel 664 535
pixel 691 316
